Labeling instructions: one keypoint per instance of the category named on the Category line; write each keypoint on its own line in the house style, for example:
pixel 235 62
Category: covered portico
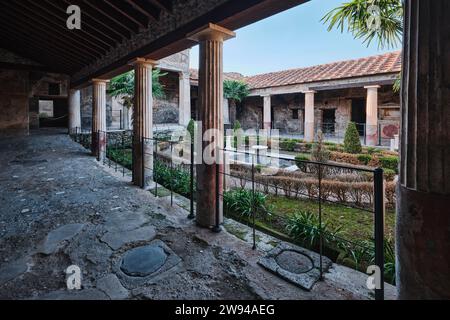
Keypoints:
pixel 119 36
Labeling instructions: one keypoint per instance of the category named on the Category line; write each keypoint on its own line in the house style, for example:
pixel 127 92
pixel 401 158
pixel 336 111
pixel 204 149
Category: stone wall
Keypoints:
pixel 14 96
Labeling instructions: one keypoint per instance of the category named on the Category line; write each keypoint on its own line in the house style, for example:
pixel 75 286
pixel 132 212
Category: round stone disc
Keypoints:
pixel 143 261
pixel 294 262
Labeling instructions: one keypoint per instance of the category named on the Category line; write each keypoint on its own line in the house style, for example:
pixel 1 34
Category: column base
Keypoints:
pixel 423 245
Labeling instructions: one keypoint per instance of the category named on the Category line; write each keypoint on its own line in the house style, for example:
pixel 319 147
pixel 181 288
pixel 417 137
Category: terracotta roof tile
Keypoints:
pixel 380 64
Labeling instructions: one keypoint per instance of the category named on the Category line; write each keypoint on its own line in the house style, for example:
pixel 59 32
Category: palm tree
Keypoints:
pixel 368 20
pixel 235 91
pixel 123 86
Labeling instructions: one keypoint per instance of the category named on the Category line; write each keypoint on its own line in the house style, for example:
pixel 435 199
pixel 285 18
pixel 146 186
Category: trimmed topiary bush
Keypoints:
pixel 352 143
pixel 299 161
pixel 389 163
pixel 364 159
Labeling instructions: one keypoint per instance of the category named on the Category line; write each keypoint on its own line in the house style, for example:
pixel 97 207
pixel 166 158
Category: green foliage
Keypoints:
pixel 299 162
pixel 191 129
pixel 356 15
pixel 237 126
pixel 123 86
pixel 319 152
pixel 389 163
pixel 389 174
pixel 288 144
pixel 352 143
pixel 305 226
pixel 364 158
pixel 240 201
pixel 371 150
pixel 235 90
pixel 175 179
pixel 123 157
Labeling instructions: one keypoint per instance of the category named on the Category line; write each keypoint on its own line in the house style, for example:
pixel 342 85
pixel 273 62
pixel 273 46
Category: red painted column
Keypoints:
pixel 211 39
pixel 423 217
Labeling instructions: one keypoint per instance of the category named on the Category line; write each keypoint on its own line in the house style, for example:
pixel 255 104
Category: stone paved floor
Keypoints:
pixel 59 207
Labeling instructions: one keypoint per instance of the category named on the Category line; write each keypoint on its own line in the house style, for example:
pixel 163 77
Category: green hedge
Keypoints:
pixel 389 163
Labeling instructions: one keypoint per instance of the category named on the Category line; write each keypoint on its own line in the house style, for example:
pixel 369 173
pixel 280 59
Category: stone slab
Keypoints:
pixel 116 240
pixel 85 294
pixel 111 285
pixel 13 270
pixel 57 236
pixel 304 280
pixel 143 261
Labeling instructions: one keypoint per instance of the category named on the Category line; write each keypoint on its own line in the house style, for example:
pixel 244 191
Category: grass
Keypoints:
pixel 356 224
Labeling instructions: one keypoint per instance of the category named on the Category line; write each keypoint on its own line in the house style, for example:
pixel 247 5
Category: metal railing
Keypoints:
pixel 81 136
pixel 309 193
pixel 117 120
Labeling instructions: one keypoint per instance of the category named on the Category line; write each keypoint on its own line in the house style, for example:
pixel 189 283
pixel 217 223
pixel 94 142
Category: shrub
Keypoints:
pixel 389 174
pixel 389 163
pixel 175 179
pixel 240 201
pixel 288 144
pixel 352 143
pixel 191 129
pixel 305 226
pixel 319 152
pixel 364 159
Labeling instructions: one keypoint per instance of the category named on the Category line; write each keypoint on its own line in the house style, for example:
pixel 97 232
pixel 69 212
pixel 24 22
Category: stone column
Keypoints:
pixel 98 146
pixel 423 219
pixel 185 99
pixel 74 109
pixel 267 112
pixel 226 113
pixel 143 122
pixel 372 115
pixel 210 38
pixel 309 115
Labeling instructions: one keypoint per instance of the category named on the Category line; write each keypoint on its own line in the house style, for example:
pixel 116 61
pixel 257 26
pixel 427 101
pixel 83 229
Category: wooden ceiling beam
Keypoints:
pixel 90 28
pixel 104 10
pixel 146 8
pixel 44 23
pixel 129 11
pixel 93 15
pixel 165 5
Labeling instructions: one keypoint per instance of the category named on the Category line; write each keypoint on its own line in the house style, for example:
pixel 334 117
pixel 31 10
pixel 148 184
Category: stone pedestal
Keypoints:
pixel 98 146
pixel 143 122
pixel 423 218
pixel 309 115
pixel 74 109
pixel 185 99
pixel 211 39
pixel 372 115
pixel 267 113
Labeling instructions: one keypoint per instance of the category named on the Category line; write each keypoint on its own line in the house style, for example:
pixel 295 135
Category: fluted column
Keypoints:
pixel 267 112
pixel 74 109
pixel 211 40
pixel 185 99
pixel 98 146
pixel 372 115
pixel 143 122
pixel 423 215
pixel 309 115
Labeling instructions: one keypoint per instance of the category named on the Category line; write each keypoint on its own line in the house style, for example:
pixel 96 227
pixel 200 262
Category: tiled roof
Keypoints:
pixel 369 66
pixel 374 65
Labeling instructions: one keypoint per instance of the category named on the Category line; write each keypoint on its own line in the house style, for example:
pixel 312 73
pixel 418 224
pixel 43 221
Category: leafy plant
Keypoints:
pixel 242 202
pixel 390 163
pixel 288 144
pixel 235 90
pixel 300 162
pixel 175 179
pixel 319 152
pixel 191 129
pixel 364 158
pixel 352 143
pixel 305 226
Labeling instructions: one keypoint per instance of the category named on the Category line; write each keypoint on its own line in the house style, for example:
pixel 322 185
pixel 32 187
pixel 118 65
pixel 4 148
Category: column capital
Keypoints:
pixel 184 75
pixel 211 32
pixel 266 95
pixel 96 80
pixel 309 92
pixel 372 87
pixel 143 61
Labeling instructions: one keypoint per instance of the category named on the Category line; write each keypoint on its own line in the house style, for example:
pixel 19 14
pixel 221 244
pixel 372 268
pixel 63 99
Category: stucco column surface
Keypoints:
pixel 98 146
pixel 74 109
pixel 372 115
pixel 185 99
pixel 309 115
pixel 267 113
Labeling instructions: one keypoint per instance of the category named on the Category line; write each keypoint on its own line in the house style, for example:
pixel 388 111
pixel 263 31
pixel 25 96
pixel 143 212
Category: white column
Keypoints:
pixel 143 122
pixel 74 109
pixel 309 115
pixel 372 115
pixel 226 111
pixel 185 99
pixel 267 113
pixel 99 118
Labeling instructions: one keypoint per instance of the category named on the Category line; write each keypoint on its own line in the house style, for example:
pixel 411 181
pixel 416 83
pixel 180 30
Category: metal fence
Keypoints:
pixel 81 136
pixel 301 206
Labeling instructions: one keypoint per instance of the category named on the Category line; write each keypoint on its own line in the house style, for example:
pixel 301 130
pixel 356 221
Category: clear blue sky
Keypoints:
pixel 292 39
